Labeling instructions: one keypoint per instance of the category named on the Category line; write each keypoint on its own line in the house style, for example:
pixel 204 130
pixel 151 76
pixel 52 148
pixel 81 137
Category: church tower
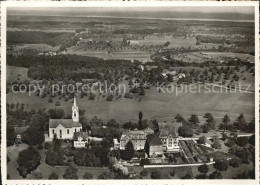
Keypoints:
pixel 75 111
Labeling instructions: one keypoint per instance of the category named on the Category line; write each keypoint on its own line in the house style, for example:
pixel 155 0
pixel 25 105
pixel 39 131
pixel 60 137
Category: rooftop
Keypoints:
pixel 153 140
pixel 67 123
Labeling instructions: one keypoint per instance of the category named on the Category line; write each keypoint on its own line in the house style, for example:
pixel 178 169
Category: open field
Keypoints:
pixel 127 55
pixel 199 57
pixel 14 72
pixel 37 47
pixel 161 106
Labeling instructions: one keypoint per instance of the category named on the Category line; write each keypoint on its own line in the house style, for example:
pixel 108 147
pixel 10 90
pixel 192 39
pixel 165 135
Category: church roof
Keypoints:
pixel 67 123
pixel 153 140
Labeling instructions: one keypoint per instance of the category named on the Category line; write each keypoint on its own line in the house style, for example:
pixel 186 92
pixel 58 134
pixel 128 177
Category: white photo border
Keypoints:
pixel 6 4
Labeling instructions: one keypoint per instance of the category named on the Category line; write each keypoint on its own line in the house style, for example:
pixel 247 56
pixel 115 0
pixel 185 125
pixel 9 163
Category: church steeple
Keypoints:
pixel 75 111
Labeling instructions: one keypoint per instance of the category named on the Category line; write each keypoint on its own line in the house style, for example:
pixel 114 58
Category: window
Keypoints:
pixel 68 131
pixel 74 114
pixel 75 130
pixel 52 131
pixel 60 132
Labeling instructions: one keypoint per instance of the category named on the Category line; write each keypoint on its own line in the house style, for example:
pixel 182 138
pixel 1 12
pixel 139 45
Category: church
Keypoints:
pixel 65 128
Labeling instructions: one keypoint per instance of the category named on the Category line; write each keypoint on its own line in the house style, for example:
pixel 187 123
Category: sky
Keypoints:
pixel 216 12
pixel 207 9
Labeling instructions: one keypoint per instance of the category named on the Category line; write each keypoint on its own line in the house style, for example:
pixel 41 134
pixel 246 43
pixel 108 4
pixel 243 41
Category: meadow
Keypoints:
pixel 154 105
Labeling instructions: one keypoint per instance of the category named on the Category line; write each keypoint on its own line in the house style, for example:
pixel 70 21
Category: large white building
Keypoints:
pixel 170 140
pixel 65 128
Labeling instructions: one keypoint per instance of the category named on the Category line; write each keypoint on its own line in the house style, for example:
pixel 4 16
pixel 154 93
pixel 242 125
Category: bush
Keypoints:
pixel 40 147
pixel 203 169
pixel 109 98
pixel 216 144
pixel 144 162
pixel 156 174
pixel 172 173
pixel 234 162
pixel 143 173
pixel 47 146
pixel 215 175
pixel 87 175
pixel 221 165
pixel 53 175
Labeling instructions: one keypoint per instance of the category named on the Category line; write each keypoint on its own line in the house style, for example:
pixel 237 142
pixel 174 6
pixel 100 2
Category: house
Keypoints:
pixel 170 140
pixel 153 146
pixel 80 139
pixel 65 128
pixel 137 137
pixel 116 144
pixel 19 131
pixel 148 130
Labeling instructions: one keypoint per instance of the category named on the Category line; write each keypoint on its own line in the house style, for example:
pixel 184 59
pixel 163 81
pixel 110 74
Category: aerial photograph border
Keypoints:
pixel 5 5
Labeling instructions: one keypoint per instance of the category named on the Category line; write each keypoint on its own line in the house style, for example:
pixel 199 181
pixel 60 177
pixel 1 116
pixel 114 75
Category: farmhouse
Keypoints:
pixel 137 137
pixel 65 128
pixel 19 130
pixel 80 139
pixel 153 146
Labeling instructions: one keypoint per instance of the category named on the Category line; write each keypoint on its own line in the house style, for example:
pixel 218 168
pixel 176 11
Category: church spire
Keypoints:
pixel 75 103
pixel 75 111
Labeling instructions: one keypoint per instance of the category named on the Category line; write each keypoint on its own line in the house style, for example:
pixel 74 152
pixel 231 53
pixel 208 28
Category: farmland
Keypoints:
pixel 161 106
pixel 98 96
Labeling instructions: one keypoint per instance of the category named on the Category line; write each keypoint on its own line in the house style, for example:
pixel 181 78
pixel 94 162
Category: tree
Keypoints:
pixel 203 169
pixel 194 119
pixel 234 162
pixel 130 126
pixel 242 141
pixel 155 126
pixel 35 133
pixel 106 175
pixel 226 122
pixel 179 118
pixel 142 91
pixel 129 151
pixel 216 144
pixel 221 165
pixel 155 174
pixel 202 176
pixel 53 175
pixel 185 131
pixel 28 160
pixel 71 172
pixel 140 120
pixel 10 135
pixel 188 175
pixel 251 140
pixel 88 175
pixel 144 162
pixel 55 154
pixel 56 113
pixel 240 124
pixel 144 173
pixel 202 140
pixel 112 123
pixel 215 175
pixel 35 175
pixel 172 173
